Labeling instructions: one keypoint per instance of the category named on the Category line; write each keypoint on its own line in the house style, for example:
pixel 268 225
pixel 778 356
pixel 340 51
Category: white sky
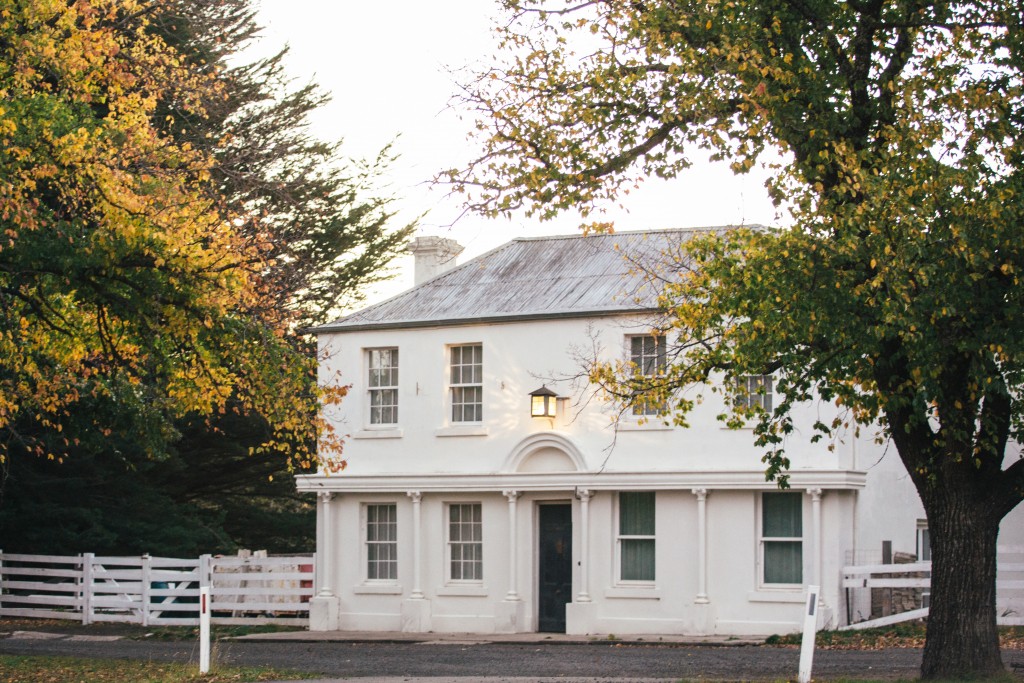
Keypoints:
pixel 387 66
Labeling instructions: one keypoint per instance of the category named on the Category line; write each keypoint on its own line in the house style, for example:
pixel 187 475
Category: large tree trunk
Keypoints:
pixel 962 640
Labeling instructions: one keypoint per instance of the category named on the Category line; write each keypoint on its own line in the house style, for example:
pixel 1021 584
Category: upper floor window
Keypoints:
pixel 782 558
pixel 647 354
pixel 754 391
pixel 467 377
pixel 636 536
pixel 383 385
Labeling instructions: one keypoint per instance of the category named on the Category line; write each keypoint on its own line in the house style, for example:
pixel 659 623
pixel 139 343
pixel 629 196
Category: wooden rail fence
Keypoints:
pixel 912 581
pixel 156 591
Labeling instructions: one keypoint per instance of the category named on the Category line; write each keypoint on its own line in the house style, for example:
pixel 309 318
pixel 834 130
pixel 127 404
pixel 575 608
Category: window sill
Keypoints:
pixel 378 434
pixel 777 595
pixel 650 426
pixel 633 592
pixel 377 589
pixel 470 590
pixel 463 430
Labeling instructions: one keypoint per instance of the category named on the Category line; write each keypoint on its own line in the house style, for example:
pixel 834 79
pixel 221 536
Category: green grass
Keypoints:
pixel 139 632
pixel 34 669
pixel 216 632
pixel 908 634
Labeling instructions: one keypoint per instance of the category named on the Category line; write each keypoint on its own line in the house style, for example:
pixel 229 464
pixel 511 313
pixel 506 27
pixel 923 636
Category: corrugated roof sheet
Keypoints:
pixel 530 278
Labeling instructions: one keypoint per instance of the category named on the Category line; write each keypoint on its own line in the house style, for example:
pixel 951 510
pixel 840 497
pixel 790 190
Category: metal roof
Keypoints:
pixel 531 278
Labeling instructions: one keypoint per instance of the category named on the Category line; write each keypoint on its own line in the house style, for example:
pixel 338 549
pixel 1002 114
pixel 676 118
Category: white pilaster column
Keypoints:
pixel 417 561
pixel 326 565
pixel 816 533
pixel 513 551
pixel 702 546
pixel 584 592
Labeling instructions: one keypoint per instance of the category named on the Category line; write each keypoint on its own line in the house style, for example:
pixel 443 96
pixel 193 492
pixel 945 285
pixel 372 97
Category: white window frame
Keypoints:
pixel 749 394
pixel 762 540
pixel 620 537
pixel 458 386
pixel 367 542
pixel 924 542
pixel 375 387
pixel 924 547
pixel 451 545
pixel 649 362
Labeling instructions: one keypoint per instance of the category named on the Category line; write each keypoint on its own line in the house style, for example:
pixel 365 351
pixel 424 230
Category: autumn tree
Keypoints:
pixel 310 230
pixel 122 277
pixel 896 292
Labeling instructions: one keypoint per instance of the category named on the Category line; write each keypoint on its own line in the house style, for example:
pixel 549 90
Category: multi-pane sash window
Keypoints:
pixel 467 377
pixel 647 354
pixel 465 542
pixel 754 391
pixel 782 537
pixel 382 542
pixel 383 383
pixel 924 541
pixel 636 536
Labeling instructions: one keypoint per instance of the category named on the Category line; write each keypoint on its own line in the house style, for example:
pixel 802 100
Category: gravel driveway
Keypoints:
pixel 503 661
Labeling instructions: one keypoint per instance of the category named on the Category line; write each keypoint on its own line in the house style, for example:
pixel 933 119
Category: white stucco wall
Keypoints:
pixel 865 495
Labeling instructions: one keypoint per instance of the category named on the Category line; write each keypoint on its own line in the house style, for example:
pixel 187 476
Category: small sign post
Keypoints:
pixel 204 630
pixel 810 631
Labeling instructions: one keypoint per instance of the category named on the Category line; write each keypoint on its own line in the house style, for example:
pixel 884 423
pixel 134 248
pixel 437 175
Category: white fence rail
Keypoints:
pixel 156 591
pixel 884 594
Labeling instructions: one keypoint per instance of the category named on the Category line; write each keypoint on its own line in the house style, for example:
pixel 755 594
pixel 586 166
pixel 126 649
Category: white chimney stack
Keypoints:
pixel 434 255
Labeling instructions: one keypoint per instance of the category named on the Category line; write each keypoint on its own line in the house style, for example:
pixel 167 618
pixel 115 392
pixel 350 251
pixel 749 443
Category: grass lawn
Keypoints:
pixel 908 634
pixel 34 669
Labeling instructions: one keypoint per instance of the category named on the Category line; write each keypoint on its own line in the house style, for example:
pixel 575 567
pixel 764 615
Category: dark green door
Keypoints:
pixel 555 558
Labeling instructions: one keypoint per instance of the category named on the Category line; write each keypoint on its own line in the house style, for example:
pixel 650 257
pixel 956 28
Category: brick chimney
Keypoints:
pixel 434 255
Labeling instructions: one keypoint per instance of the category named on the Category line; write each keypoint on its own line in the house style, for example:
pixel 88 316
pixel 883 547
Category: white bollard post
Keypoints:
pixel 810 631
pixel 204 629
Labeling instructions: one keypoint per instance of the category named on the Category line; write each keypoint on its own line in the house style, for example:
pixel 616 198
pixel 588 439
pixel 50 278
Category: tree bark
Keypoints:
pixel 962 640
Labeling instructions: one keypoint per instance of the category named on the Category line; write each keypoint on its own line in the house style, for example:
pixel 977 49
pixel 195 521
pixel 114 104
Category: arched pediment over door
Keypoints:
pixel 545 452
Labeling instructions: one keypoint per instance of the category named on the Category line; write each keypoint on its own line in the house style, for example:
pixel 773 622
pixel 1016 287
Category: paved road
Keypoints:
pixel 507 661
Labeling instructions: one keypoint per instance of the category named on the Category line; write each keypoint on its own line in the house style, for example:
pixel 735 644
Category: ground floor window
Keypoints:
pixel 636 536
pixel 465 542
pixel 782 558
pixel 382 542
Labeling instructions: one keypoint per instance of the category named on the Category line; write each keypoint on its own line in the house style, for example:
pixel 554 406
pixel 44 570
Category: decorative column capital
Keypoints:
pixel 325 496
pixel 701 493
pixel 511 494
pixel 415 495
pixel 815 494
pixel 584 495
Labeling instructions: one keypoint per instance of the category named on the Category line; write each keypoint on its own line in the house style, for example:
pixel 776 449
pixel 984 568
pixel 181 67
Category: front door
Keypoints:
pixel 555 571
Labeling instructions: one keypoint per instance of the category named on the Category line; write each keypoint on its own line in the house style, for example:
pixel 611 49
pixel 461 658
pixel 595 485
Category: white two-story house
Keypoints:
pixel 464 509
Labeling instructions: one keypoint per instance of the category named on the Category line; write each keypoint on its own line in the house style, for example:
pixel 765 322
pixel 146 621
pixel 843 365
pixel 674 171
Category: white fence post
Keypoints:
pixel 204 629
pixel 810 633
pixel 86 585
pixel 145 570
pixel 205 571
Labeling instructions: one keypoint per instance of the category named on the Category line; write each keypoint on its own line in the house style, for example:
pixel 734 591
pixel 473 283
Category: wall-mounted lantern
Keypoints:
pixel 543 402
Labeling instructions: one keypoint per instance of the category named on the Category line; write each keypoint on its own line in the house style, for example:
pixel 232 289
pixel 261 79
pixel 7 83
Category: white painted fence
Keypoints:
pixel 915 578
pixel 156 591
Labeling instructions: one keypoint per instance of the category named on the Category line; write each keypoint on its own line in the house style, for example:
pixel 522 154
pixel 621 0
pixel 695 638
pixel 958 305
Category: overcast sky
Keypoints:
pixel 388 66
